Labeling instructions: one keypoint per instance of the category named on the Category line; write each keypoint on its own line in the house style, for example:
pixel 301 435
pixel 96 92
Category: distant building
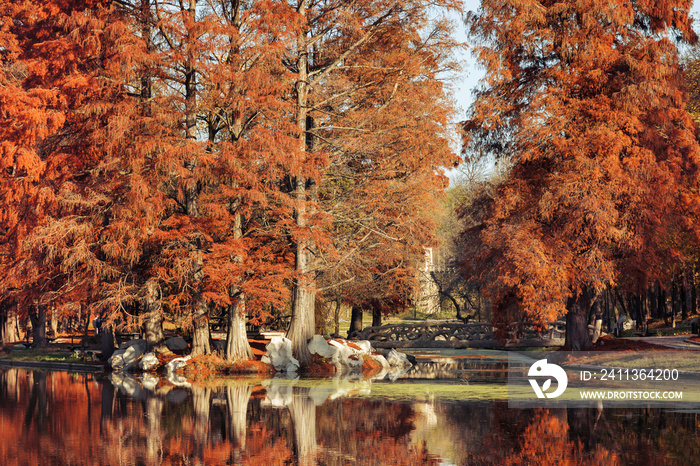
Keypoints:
pixel 436 261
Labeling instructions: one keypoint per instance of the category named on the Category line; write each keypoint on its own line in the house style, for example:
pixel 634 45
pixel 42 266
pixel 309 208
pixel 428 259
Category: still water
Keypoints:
pixel 63 418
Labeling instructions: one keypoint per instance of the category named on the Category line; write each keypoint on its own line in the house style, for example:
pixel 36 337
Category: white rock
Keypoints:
pixel 354 361
pixel 148 362
pixel 292 367
pixel 365 346
pixel 381 360
pixel 279 352
pixel 396 359
pixel 131 356
pixel 319 345
pixel 116 360
pixel 176 364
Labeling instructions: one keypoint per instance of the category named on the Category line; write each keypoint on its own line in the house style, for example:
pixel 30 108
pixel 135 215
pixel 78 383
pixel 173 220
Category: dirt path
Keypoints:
pixel 675 341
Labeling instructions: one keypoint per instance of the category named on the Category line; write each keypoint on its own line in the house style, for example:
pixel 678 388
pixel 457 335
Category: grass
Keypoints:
pixel 688 361
pixel 659 332
pixel 44 355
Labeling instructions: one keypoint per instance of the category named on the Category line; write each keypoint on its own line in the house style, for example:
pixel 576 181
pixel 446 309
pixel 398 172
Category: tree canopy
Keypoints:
pixel 192 159
pixel 584 102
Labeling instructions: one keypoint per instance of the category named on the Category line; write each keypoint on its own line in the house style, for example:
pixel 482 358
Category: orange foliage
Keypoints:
pixel 582 103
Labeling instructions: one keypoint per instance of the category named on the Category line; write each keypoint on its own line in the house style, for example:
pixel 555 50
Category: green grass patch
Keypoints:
pixel 659 332
pixel 43 355
pixel 665 332
pixel 688 361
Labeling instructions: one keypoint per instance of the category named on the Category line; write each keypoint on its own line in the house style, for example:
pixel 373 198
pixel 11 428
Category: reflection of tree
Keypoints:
pixel 340 431
pixel 37 402
pixel 201 402
pixel 154 411
pixel 237 397
pixel 303 411
pixel 358 431
pixel 106 404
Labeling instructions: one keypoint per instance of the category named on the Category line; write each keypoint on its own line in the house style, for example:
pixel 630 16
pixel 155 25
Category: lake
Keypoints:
pixel 419 418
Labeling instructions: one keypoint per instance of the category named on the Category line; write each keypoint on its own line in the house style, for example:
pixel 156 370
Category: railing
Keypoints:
pixel 459 335
pixel 437 331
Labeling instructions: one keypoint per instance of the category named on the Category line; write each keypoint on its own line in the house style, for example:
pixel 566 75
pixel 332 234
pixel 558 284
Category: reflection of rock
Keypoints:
pixel 127 385
pixel 427 411
pixel 395 372
pixel 396 359
pixel 177 396
pixel 149 362
pixel 381 360
pixel 177 380
pixel 176 364
pixel 177 344
pixel 278 395
pixel 150 382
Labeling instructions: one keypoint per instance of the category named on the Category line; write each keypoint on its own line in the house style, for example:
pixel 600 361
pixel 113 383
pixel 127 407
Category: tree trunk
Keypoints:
pixel 355 320
pixel 200 332
pixel 107 341
pixel 86 327
pixel 303 323
pixel 376 317
pixel 674 302
pixel 37 315
pixel 153 323
pixel 577 338
pixel 693 293
pixel 597 322
pixel 336 317
pixel 54 322
pixel 237 346
pixel 662 304
pixel 653 302
pixel 684 299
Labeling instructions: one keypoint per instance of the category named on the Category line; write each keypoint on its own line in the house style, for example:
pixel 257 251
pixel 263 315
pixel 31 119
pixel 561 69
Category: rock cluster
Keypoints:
pixel 345 356
pixel 132 355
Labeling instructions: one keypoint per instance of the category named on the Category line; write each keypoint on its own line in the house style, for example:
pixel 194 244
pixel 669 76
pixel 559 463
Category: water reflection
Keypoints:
pixel 61 418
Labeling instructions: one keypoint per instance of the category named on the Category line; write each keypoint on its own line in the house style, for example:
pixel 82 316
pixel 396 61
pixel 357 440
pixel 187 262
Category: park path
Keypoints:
pixel 674 341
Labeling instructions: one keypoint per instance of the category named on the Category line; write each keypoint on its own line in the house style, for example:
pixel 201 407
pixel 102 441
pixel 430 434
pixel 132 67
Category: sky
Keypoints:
pixel 471 74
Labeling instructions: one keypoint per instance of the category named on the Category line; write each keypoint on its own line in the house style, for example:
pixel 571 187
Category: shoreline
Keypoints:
pixel 57 366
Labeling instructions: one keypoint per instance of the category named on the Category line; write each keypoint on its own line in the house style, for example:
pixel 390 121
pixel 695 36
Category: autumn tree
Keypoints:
pixel 65 68
pixel 371 117
pixel 583 101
